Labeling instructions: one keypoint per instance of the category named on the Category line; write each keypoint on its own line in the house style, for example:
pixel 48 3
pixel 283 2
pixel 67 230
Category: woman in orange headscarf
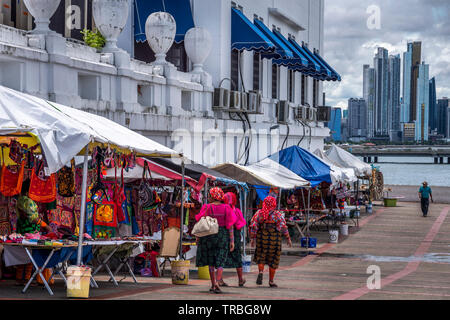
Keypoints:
pixel 267 227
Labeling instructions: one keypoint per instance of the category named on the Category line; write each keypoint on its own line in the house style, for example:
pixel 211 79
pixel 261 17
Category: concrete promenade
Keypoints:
pixel 412 252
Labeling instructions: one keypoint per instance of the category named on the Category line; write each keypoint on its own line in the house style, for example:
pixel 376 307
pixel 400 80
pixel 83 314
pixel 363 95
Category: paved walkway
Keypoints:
pixel 411 251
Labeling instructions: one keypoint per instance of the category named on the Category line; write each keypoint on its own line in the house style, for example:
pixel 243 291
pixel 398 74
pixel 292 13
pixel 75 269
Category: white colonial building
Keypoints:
pixel 191 74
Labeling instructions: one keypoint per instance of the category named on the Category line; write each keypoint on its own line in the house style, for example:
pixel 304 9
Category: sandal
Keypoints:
pixel 222 283
pixel 217 290
pixel 259 280
pixel 211 289
pixel 241 284
pixel 273 285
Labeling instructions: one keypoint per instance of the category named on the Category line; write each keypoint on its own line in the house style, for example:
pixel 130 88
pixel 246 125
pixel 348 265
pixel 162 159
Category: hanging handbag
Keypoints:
pixel 11 182
pixel 66 180
pixel 105 214
pixel 146 196
pixel 119 198
pixel 206 226
pixel 42 189
pixel 16 152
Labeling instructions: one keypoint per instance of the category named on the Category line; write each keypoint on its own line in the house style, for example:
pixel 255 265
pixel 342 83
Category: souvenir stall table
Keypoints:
pixel 42 254
pixel 59 133
pixel 112 247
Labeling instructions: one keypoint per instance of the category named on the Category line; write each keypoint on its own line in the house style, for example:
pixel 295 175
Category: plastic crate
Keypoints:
pixel 312 242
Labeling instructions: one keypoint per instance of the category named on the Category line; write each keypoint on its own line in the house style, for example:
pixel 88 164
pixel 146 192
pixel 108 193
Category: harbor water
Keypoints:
pixel 412 171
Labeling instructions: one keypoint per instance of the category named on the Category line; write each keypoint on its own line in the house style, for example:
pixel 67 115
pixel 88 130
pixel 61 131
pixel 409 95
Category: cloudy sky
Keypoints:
pixel 353 32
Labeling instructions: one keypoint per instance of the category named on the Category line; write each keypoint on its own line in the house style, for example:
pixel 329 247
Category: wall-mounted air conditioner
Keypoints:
pixel 254 102
pixel 300 113
pixel 282 111
pixel 244 101
pixel 324 113
pixel 221 98
pixel 235 100
pixel 311 114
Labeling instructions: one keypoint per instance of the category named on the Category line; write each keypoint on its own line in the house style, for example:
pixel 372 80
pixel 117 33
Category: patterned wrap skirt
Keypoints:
pixel 268 245
pixel 213 250
pixel 234 259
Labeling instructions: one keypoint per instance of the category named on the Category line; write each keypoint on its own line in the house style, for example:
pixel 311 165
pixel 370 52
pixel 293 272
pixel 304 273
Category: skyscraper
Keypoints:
pixel 422 103
pixel 381 112
pixel 394 93
pixel 357 118
pixel 369 97
pixel 406 101
pixel 335 124
pixel 433 116
pixel 416 53
pixel 442 111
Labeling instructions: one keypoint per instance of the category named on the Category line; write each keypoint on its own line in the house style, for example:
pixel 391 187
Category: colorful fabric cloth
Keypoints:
pixel 230 199
pixel 269 204
pixel 222 212
pixel 28 206
pixel 213 250
pixel 216 193
pixel 234 259
pixel 268 246
pixel 274 217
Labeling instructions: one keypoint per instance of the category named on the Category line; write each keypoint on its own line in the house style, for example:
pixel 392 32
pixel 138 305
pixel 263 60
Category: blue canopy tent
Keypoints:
pixel 304 164
pixel 179 9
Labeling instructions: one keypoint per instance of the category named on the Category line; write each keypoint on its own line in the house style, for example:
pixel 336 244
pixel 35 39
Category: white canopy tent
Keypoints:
pixel 338 173
pixel 65 132
pixel 266 172
pixel 347 160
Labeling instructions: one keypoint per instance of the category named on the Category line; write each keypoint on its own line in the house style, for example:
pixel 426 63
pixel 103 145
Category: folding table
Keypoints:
pixel 38 270
pixel 117 244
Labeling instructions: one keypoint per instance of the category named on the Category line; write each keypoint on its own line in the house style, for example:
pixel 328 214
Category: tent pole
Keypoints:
pixel 307 212
pixel 205 192
pixel 83 207
pixel 182 208
pixel 279 199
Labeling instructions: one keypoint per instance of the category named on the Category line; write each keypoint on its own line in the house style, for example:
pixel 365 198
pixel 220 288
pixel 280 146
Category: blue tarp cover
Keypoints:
pixel 303 163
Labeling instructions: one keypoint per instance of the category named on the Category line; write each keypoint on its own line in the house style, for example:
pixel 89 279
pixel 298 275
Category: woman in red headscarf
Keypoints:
pixel 267 227
pixel 234 259
pixel 213 250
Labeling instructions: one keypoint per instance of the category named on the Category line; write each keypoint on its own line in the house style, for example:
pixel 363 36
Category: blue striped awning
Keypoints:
pixel 321 72
pixel 179 9
pixel 246 36
pixel 303 63
pixel 335 75
pixel 282 52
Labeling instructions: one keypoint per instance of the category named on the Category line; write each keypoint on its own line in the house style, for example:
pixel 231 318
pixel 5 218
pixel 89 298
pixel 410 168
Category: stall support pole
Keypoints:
pixel 182 208
pixel 83 207
pixel 279 199
pixel 205 192
pixel 307 215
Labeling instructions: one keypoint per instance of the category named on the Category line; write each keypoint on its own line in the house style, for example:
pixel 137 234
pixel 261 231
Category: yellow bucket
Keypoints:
pixel 78 281
pixel 203 273
pixel 180 271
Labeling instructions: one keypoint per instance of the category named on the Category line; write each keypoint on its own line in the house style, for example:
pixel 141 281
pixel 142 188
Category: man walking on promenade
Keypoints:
pixel 424 196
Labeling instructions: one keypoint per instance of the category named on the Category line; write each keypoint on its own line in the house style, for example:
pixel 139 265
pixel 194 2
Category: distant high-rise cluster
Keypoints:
pixel 398 108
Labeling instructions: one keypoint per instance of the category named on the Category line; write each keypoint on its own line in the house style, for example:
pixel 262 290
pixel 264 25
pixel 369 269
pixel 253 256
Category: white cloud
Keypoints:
pixel 349 43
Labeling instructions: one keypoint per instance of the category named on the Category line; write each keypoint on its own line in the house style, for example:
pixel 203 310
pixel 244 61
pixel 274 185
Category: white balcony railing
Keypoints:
pixel 13 36
pixel 78 50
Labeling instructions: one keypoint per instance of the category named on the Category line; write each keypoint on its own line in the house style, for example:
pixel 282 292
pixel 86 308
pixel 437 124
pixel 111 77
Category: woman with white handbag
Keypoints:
pixel 216 238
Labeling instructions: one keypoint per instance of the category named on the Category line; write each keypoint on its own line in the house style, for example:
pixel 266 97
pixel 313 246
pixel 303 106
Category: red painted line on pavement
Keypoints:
pixel 410 267
pixel 371 217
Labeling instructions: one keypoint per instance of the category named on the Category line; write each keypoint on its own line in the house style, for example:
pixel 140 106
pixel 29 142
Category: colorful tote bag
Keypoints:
pixel 66 181
pixel 146 197
pixel 105 214
pixel 42 189
pixel 103 232
pixel 11 181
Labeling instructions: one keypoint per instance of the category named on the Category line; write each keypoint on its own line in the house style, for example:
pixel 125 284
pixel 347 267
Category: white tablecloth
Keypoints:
pixel 15 255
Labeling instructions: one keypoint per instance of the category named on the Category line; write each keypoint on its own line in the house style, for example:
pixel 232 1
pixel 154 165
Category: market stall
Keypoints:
pixel 39 138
